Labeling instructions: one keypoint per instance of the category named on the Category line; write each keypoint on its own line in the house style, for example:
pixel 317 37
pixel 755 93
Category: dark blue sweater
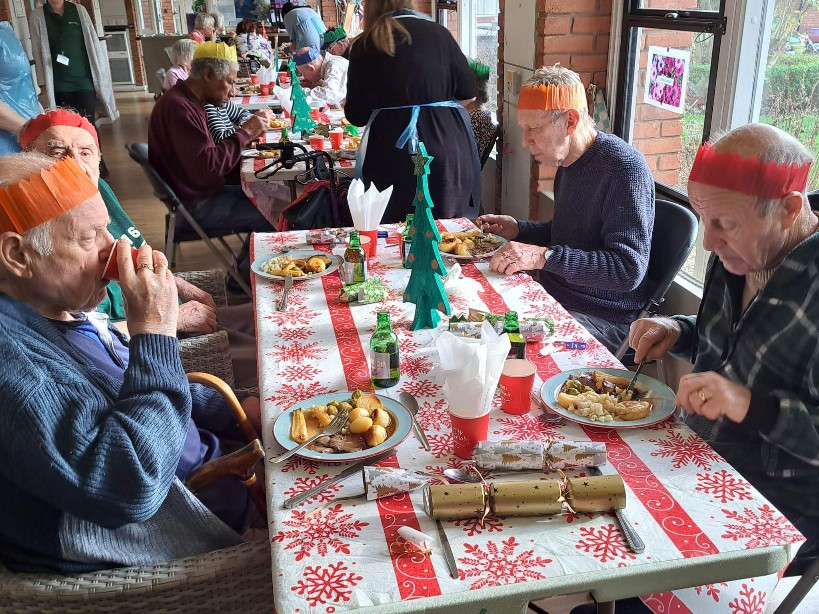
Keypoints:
pixel 601 232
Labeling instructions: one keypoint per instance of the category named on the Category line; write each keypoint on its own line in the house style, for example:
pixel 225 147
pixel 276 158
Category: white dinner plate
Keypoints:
pixel 281 429
pixel 483 256
pixel 662 397
pixel 296 254
pixel 255 153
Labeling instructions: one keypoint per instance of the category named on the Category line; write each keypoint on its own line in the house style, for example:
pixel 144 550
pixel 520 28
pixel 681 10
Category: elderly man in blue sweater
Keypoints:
pixel 593 255
pixel 98 431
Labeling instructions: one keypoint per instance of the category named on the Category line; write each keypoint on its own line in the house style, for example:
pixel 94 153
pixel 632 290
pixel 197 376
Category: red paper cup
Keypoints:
pixel 366 245
pixel 254 79
pixel 336 138
pixel 265 89
pixel 516 382
pixel 284 78
pixel 316 142
pixel 373 235
pixel 314 113
pixel 111 270
pixel 467 432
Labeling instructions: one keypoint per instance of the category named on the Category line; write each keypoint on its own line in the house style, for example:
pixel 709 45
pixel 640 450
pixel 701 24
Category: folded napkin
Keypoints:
pixel 471 369
pixel 367 206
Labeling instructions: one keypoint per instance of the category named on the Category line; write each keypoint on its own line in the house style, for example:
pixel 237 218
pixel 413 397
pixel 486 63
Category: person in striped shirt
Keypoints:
pixel 754 392
pixel 224 120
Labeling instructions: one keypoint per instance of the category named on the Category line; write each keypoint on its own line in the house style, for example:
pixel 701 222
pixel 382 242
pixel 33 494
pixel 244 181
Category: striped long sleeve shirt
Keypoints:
pixel 224 121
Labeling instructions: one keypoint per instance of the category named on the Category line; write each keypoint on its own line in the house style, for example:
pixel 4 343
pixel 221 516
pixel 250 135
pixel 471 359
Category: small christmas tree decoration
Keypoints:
pixel 425 288
pixel 302 122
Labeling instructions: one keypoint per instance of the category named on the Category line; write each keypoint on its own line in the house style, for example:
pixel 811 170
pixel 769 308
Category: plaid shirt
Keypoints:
pixel 772 348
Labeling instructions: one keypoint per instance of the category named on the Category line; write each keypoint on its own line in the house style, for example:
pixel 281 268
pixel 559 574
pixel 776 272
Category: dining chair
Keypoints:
pixel 673 236
pixel 229 580
pixel 173 235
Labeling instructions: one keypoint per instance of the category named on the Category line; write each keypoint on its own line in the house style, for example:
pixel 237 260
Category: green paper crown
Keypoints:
pixel 481 71
pixel 337 34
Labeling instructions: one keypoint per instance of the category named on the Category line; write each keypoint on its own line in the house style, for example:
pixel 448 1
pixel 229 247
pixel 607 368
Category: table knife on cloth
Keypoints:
pixel 635 543
pixel 303 496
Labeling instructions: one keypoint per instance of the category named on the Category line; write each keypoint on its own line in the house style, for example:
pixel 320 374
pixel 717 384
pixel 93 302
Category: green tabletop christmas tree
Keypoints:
pixel 425 288
pixel 302 122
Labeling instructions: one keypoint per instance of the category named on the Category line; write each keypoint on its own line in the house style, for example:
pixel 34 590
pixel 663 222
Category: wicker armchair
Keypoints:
pixel 211 281
pixel 230 580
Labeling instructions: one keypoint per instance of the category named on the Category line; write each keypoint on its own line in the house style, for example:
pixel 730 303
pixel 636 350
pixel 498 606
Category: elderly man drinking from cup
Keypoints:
pixel 754 393
pixel 325 76
pixel 61 133
pixel 593 256
pixel 98 432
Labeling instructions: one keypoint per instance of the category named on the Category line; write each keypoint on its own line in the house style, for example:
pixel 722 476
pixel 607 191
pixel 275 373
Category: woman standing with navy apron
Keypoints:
pixel 405 80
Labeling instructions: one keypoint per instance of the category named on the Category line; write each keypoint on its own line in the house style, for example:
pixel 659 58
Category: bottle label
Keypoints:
pixel 380 362
pixel 348 273
pixel 406 245
pixel 359 271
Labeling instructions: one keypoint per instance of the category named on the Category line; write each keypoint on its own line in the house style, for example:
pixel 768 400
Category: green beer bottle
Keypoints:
pixel 385 365
pixel 406 240
pixel 355 260
pixel 512 328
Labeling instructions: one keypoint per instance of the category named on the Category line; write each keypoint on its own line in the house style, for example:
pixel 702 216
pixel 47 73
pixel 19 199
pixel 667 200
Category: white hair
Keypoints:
pixel 220 67
pixel 182 51
pixel 39 238
pixel 557 75
pixel 203 20
pixel 218 19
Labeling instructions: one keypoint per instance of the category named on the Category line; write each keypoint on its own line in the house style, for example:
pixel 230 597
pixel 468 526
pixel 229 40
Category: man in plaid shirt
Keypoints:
pixel 754 393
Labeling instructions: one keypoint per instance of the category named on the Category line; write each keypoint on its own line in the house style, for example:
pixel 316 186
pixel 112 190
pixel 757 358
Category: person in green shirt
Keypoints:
pixel 59 133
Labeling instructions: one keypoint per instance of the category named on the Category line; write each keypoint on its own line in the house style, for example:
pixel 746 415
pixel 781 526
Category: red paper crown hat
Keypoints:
pixel 58 117
pixel 747 175
pixel 44 196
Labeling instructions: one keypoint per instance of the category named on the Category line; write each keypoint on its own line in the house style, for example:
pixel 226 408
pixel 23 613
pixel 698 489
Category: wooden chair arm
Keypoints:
pixel 239 463
pixel 211 381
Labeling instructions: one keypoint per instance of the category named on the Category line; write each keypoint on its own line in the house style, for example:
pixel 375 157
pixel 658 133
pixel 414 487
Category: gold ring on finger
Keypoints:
pixel 145 266
pixel 702 395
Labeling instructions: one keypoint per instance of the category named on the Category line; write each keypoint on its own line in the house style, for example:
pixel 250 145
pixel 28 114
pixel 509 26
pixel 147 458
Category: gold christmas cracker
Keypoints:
pixel 525 498
pixel 387 481
pixel 451 501
pixel 596 493
pixel 538 455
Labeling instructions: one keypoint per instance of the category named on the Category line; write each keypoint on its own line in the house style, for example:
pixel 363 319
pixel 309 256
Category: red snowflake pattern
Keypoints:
pixel 278 240
pixel 499 566
pixel 724 486
pixel 527 427
pixel 440 445
pixel 321 531
pixel 476 526
pixel 292 317
pixel 513 281
pixel 605 544
pixel 421 388
pixel 297 352
pixel 294 333
pixel 768 528
pixel 308 465
pixel 434 416
pixel 299 372
pixel 398 314
pixel 326 584
pixel 711 590
pixel 406 343
pixel 288 394
pixel 414 366
pixel 685 450
pixel 375 268
pixel 572 516
pixel 301 484
pixel 749 601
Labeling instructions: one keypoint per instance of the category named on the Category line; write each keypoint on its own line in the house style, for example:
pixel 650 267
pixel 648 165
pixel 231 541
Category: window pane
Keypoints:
pixel 790 93
pixel 669 138
pixel 681 5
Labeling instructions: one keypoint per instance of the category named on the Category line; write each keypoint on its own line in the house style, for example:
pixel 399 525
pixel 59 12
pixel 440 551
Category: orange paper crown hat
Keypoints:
pixel 58 117
pixel 552 97
pixel 44 196
pixel 747 175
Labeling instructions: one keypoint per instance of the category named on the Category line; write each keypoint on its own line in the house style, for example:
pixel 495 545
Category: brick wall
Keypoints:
pixel 167 17
pixel 136 48
pixel 5 11
pixel 809 21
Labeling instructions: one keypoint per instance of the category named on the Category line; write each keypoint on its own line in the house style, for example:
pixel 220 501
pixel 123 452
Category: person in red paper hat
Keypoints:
pixel 754 392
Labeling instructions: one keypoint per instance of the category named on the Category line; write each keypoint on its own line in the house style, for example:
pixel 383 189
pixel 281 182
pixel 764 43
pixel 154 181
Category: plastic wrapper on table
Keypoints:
pixel 382 482
pixel 538 455
pixel 371 291
pixel 534 330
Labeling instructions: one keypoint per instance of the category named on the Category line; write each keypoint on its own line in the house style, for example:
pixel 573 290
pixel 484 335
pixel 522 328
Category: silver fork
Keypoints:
pixel 338 423
pixel 288 283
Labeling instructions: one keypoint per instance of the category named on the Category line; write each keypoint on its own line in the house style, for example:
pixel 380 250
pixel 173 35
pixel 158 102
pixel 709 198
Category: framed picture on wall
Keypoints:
pixel 667 78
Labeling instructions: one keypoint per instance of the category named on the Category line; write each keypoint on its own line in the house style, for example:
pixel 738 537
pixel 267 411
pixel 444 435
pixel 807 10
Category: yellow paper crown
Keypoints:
pixel 44 196
pixel 220 51
pixel 552 97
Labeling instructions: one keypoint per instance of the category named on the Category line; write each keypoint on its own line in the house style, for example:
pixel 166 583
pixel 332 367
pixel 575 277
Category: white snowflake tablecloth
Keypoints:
pixel 701 521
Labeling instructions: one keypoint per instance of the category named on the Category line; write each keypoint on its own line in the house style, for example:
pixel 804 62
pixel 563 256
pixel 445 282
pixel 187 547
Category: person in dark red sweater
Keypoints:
pixel 182 151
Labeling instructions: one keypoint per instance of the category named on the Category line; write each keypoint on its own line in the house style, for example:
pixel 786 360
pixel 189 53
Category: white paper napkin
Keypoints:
pixel 367 206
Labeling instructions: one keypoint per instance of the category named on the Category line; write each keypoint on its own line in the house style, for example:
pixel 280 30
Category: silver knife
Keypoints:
pixel 635 543
pixel 450 559
pixel 303 496
pixel 288 283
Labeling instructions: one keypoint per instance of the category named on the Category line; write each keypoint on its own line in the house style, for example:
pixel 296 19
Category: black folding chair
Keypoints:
pixel 174 236
pixel 673 236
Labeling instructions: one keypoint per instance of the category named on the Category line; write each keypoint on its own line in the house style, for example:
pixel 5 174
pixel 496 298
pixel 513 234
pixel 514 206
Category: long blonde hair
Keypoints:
pixel 381 30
